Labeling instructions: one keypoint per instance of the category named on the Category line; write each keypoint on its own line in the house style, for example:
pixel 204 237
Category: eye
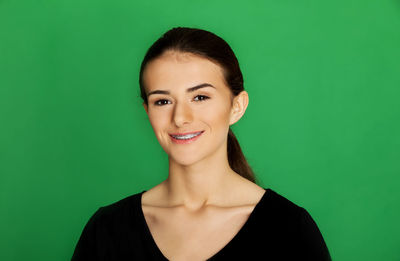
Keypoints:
pixel 157 103
pixel 204 97
pixel 161 102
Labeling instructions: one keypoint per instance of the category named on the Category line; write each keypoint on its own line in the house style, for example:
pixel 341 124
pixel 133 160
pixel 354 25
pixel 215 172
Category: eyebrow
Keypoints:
pixel 191 89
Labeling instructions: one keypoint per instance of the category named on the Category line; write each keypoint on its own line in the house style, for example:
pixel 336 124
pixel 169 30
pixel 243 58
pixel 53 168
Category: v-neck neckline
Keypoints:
pixel 242 230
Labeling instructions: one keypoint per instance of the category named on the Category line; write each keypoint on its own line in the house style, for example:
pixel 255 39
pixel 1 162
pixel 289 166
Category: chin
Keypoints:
pixel 186 159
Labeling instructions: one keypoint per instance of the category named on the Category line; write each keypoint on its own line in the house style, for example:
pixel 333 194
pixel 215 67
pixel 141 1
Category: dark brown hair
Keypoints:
pixel 217 50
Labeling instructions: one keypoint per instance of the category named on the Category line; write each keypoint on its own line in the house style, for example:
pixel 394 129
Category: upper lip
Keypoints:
pixel 186 133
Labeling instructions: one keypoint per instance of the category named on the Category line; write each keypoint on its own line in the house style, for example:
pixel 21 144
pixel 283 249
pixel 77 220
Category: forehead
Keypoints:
pixel 184 57
pixel 175 68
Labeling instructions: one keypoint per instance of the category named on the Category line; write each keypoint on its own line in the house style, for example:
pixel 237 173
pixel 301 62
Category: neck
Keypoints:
pixel 203 183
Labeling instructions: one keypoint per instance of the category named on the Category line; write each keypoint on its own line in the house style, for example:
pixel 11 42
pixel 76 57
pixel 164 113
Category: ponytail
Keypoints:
pixel 237 160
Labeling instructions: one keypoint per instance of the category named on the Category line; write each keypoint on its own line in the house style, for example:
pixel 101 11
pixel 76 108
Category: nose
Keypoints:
pixel 182 114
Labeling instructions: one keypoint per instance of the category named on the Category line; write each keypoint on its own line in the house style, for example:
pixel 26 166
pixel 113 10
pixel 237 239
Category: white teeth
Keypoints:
pixel 186 137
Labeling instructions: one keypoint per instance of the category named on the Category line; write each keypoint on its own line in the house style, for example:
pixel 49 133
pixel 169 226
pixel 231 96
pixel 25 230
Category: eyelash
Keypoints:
pixel 204 98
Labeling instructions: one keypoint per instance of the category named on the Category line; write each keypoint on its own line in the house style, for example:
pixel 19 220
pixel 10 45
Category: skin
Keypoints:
pixel 203 203
pixel 199 172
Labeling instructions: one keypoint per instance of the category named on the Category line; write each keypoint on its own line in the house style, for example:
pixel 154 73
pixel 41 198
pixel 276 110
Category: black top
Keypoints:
pixel 277 229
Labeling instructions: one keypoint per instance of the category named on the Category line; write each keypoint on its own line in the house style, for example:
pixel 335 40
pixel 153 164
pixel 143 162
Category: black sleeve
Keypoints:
pixel 86 248
pixel 312 244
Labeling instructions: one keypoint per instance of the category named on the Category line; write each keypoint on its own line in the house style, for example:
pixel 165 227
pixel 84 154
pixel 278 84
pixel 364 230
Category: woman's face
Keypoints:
pixel 173 108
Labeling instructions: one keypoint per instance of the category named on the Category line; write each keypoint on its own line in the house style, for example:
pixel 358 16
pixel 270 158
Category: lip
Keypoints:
pixel 186 141
pixel 186 133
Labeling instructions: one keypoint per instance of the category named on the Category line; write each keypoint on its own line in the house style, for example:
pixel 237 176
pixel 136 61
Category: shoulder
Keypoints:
pixel 116 215
pixel 113 219
pixel 284 208
pixel 281 204
pixel 109 230
pixel 125 207
pixel 278 209
pixel 292 224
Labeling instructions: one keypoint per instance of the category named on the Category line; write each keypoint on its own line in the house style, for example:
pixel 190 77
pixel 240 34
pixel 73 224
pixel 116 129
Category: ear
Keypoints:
pixel 145 107
pixel 239 106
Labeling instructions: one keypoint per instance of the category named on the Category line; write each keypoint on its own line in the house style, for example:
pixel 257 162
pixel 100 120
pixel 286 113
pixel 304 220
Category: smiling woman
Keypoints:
pixel 210 206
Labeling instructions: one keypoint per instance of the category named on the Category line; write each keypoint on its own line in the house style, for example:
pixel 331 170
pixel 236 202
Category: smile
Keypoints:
pixel 185 138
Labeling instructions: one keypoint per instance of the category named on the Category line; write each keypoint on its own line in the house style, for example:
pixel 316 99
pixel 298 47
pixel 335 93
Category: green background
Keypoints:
pixel 322 126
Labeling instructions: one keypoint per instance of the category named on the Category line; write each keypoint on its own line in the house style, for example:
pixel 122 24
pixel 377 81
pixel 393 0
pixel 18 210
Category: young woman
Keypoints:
pixel 209 207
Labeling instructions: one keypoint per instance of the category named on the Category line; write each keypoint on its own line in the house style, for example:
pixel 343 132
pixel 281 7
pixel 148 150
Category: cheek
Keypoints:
pixel 158 120
pixel 216 117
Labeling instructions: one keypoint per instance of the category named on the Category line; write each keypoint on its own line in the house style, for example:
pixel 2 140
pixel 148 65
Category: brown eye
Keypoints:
pixel 160 102
pixel 204 97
